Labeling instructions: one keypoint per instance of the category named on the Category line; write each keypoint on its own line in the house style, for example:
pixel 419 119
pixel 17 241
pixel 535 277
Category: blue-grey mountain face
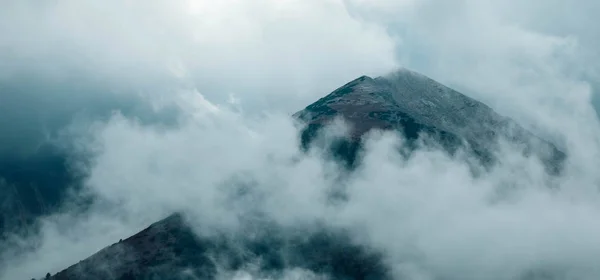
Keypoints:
pixel 414 104
pixel 30 187
pixel 35 161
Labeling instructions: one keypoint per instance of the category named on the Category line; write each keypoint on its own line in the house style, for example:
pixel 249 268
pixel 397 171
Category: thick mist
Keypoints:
pixel 428 214
pixel 172 105
pixel 65 64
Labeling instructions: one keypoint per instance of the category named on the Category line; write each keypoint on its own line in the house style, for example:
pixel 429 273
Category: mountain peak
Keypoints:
pixel 414 104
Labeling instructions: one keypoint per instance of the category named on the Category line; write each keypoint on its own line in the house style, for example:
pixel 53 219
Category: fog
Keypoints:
pixel 169 101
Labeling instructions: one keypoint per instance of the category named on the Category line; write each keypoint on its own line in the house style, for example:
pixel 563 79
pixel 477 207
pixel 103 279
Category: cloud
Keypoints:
pixel 65 62
pixel 262 49
pixel 428 214
pixel 539 68
pixel 293 274
pixel 507 54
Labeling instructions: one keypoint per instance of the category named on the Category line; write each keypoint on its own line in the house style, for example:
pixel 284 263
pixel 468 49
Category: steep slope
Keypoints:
pixel 414 105
pixel 159 250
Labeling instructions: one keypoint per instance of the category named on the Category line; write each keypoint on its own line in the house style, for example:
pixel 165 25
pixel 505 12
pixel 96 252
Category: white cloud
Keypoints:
pixel 269 53
pixel 64 57
pixel 428 214
pixel 529 59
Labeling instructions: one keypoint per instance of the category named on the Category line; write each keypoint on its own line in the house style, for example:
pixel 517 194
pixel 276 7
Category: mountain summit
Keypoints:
pixel 414 104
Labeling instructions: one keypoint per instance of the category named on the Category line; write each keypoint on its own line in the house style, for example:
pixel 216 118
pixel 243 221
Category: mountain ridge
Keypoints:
pixel 169 249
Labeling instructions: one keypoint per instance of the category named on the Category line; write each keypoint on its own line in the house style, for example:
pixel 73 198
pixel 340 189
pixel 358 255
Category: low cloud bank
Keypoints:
pixel 427 214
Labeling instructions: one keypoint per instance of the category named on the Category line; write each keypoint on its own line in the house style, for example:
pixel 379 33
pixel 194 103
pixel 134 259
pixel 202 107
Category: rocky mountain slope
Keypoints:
pixel 416 105
pixel 169 249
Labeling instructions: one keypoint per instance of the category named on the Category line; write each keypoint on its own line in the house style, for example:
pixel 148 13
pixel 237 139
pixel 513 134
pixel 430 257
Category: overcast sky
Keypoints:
pixel 282 55
pixel 215 67
pixel 67 56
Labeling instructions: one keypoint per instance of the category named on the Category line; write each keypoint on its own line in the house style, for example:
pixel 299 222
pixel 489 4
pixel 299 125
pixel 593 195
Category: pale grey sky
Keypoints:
pixel 65 56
